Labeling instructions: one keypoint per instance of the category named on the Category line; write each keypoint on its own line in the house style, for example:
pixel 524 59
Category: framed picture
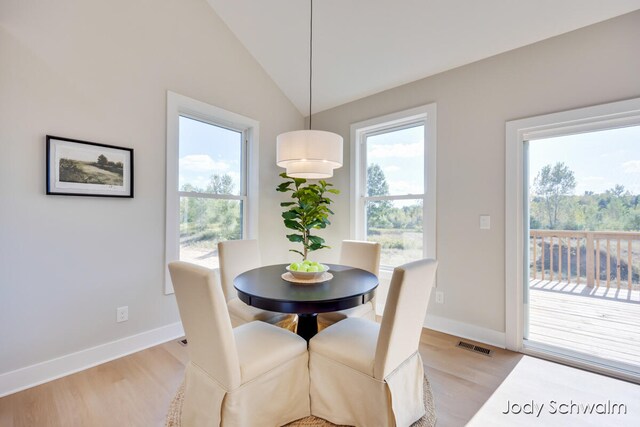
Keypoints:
pixel 81 168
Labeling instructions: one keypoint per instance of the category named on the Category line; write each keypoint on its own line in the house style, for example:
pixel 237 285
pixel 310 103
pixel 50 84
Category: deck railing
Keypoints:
pixel 597 257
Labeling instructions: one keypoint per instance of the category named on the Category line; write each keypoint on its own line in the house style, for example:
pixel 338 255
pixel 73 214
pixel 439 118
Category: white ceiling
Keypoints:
pixel 362 47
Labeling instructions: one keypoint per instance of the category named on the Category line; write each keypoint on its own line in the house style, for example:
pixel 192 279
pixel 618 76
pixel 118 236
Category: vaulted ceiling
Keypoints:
pixel 362 47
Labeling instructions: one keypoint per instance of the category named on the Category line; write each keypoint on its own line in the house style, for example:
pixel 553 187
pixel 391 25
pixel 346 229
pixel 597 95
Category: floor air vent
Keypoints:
pixel 183 342
pixel 475 348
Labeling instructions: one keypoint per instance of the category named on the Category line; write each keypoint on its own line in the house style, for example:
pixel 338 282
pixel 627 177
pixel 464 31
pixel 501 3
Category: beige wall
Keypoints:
pixel 594 65
pixel 99 71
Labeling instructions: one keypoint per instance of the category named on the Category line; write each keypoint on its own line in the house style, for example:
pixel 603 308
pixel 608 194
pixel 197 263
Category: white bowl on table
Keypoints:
pixel 308 275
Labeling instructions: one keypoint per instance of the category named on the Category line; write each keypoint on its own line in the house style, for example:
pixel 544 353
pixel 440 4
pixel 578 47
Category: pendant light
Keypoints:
pixel 311 154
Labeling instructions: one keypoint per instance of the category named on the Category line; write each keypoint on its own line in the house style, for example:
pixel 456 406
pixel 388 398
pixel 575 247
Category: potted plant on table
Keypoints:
pixel 308 211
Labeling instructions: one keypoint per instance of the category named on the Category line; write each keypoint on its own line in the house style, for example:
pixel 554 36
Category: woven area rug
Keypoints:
pixel 429 419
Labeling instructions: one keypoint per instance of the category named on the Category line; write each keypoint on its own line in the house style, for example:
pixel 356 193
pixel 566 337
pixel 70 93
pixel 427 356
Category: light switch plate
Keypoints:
pixel 485 222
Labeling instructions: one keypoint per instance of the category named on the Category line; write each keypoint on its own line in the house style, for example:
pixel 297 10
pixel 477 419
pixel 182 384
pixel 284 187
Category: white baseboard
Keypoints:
pixel 465 330
pixel 30 376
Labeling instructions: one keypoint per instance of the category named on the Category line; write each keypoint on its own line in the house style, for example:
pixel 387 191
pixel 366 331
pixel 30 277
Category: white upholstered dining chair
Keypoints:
pixel 255 374
pixel 363 255
pixel 238 256
pixel 369 374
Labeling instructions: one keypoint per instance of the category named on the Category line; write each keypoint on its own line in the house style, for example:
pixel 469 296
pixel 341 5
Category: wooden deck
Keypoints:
pixel 597 321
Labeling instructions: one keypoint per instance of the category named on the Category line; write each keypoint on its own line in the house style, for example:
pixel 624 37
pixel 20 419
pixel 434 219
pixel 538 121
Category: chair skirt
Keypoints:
pixel 346 396
pixel 273 399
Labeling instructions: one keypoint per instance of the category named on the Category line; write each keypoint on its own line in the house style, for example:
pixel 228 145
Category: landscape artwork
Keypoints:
pixel 88 169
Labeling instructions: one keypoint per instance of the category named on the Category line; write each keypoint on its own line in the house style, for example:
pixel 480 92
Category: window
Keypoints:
pixel 210 184
pixel 393 166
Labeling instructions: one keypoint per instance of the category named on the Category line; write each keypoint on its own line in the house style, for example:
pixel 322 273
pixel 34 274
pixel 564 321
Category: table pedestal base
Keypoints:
pixel 307 325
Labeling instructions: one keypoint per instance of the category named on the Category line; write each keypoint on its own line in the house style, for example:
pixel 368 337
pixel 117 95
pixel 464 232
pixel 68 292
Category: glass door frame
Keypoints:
pixel 518 135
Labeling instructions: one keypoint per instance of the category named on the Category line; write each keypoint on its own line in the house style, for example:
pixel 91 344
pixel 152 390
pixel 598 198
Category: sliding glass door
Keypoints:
pixel 573 237
pixel 583 246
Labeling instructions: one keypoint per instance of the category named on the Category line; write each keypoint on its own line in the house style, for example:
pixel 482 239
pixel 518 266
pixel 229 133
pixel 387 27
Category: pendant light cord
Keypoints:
pixel 310 61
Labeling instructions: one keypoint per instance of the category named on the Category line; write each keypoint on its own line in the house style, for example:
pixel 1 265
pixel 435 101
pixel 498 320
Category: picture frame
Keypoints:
pixel 82 168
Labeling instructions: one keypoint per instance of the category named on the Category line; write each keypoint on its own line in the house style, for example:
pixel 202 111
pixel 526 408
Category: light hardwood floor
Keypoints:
pixel 136 390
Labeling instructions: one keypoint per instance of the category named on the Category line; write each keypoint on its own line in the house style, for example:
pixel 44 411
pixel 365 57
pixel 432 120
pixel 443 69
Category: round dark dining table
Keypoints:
pixel 264 288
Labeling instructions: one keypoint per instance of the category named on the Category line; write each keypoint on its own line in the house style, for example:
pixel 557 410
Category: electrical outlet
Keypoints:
pixel 122 314
pixel 439 297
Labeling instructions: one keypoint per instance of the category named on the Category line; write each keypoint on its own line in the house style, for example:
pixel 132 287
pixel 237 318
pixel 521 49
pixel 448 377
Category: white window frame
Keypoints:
pixel 518 134
pixel 426 115
pixel 177 106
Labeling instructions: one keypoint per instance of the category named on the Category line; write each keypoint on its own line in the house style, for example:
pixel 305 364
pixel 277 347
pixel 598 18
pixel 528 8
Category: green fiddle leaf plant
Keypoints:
pixel 309 211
